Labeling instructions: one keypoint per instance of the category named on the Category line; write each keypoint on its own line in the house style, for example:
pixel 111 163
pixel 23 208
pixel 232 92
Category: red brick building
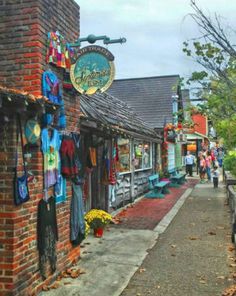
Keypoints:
pixel 24 25
pixel 201 124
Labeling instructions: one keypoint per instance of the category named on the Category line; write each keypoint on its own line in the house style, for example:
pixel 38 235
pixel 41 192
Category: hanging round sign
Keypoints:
pixel 32 131
pixel 93 71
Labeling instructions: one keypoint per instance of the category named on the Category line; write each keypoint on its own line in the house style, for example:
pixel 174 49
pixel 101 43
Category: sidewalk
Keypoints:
pixel 194 256
pixel 110 262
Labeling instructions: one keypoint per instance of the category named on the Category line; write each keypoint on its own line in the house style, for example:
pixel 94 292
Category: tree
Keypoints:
pixel 215 53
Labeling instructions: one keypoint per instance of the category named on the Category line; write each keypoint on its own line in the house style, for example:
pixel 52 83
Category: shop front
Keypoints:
pixel 127 152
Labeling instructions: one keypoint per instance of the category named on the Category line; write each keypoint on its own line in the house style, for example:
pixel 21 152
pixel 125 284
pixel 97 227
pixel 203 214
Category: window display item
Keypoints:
pixel 50 148
pixel 32 131
pixel 20 184
pixel 47 234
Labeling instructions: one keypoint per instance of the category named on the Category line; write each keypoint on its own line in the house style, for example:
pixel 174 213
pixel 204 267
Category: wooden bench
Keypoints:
pixel 176 177
pixel 157 188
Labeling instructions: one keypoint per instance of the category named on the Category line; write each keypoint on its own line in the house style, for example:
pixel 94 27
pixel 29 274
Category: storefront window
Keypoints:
pixel 142 155
pixel 124 154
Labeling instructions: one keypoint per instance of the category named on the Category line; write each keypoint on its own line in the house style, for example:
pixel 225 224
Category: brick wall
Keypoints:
pixel 24 25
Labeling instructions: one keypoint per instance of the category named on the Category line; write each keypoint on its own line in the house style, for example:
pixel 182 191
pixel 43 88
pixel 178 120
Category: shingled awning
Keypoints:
pixel 14 100
pixel 106 111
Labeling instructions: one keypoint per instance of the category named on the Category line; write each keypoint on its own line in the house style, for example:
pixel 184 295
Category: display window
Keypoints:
pixel 142 155
pixel 124 154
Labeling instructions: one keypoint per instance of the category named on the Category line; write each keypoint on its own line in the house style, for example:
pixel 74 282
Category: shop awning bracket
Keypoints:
pixel 92 39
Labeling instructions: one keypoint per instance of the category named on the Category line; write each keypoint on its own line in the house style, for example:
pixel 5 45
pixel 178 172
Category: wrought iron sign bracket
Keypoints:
pixel 92 39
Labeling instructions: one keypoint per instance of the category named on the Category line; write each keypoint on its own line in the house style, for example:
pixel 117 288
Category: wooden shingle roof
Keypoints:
pixel 150 97
pixel 107 110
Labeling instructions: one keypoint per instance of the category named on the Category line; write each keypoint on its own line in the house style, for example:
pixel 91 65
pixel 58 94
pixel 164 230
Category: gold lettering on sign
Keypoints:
pixel 86 78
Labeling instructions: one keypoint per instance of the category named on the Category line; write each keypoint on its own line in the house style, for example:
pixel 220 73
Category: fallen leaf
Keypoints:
pixel 220 227
pixel 54 285
pixel 193 238
pixel 142 270
pixel 45 288
pixel 231 248
pixel 221 277
pixel 211 233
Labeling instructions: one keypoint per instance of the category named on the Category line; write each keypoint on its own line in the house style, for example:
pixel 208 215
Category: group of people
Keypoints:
pixel 208 163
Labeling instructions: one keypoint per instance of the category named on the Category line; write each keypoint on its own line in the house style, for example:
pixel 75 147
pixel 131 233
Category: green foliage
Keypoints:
pixel 230 162
pixel 218 84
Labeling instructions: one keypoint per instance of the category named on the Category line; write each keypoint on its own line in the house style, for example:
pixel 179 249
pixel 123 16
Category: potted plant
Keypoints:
pixel 97 220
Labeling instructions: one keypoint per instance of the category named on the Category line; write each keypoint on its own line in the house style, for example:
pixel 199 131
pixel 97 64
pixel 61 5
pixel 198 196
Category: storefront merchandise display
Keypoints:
pixel 51 87
pixel 32 131
pixel 47 234
pixel 20 184
pixel 51 143
pixel 58 51
pixel 69 167
pixel 77 223
pixel 105 166
pixel 124 154
pixel 52 90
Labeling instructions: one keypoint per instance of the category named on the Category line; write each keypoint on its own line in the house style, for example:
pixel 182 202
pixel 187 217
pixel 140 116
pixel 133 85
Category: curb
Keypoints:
pixel 166 220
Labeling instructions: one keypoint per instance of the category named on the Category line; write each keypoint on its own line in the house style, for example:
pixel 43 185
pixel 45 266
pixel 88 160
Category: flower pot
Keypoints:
pixel 98 232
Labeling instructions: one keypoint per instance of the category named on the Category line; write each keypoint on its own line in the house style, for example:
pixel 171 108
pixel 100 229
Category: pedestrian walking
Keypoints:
pixel 189 162
pixel 215 175
pixel 208 161
pixel 213 158
pixel 198 161
pixel 220 157
pixel 202 168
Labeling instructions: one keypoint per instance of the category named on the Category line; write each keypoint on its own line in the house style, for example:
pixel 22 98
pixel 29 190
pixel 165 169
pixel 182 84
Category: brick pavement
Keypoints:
pixel 147 213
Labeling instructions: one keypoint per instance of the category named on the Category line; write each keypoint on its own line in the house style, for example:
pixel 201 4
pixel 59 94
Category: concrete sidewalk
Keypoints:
pixel 194 256
pixel 171 253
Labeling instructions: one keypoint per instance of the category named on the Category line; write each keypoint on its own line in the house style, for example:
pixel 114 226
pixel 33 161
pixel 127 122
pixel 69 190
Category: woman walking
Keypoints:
pixel 208 161
pixel 202 168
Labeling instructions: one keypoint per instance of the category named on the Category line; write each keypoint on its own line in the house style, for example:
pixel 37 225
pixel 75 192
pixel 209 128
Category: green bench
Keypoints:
pixel 176 178
pixel 157 188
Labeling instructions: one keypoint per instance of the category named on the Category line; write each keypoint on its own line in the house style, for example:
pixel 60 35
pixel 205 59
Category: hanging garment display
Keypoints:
pixel 50 148
pixel 113 165
pixel 69 167
pixel 58 51
pixel 105 166
pixel 52 90
pixel 93 156
pixel 20 184
pixel 77 222
pixel 51 87
pixel 47 234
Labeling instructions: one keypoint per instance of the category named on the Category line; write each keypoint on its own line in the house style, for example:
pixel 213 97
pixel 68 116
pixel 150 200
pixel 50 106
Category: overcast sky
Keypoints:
pixel 155 31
